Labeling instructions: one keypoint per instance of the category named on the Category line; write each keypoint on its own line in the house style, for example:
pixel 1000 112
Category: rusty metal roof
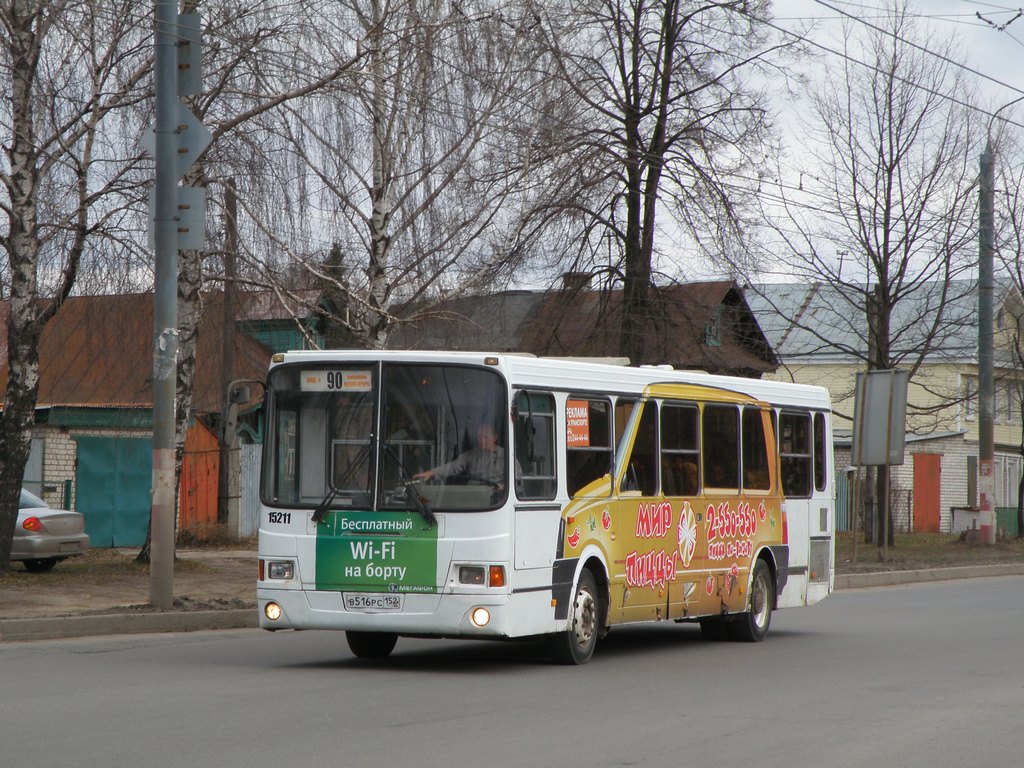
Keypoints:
pixel 705 326
pixel 98 352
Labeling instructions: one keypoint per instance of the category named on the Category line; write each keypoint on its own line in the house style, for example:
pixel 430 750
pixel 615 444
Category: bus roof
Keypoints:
pixel 582 375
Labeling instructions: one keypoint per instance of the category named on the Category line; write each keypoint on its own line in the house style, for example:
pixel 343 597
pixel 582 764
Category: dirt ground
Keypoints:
pixel 922 550
pixel 109 580
pixel 218 577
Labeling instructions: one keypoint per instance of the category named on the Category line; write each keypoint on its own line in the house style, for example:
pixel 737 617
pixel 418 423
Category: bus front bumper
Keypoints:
pixel 441 615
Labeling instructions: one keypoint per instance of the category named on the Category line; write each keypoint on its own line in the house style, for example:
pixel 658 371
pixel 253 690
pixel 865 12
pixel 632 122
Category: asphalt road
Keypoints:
pixel 921 675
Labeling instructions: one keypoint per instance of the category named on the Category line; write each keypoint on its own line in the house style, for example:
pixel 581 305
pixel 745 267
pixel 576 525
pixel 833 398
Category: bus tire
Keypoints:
pixel 752 626
pixel 371 645
pixel 713 629
pixel 576 644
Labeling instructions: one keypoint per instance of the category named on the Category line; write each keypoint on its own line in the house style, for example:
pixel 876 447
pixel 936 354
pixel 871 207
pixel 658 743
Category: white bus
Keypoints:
pixel 473 495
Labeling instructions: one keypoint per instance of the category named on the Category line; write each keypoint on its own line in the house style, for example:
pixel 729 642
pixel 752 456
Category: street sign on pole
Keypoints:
pixel 879 418
pixel 190 58
pixel 191 138
pixel 190 217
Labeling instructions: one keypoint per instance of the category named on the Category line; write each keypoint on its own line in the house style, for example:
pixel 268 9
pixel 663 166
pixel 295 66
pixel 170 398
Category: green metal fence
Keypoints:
pixel 1006 521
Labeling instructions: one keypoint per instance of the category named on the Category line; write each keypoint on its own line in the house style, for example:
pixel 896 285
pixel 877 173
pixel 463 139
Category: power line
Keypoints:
pixel 919 47
pixel 914 84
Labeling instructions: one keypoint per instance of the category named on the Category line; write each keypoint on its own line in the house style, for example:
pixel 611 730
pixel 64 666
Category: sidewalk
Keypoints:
pixel 891 578
pixel 191 615
pixel 213 589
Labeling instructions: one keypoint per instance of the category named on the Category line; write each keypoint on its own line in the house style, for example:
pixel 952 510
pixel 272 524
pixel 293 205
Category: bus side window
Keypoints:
pixel 535 446
pixel 588 441
pixel 720 441
pixel 795 453
pixel 680 450
pixel 820 454
pixel 642 464
pixel 285 464
pixel 756 476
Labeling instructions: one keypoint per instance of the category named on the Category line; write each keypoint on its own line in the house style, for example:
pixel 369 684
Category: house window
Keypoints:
pixel 970 397
pixel 1008 469
pixel 713 329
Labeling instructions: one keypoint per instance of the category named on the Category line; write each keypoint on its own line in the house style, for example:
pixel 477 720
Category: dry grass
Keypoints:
pixel 107 565
pixel 922 550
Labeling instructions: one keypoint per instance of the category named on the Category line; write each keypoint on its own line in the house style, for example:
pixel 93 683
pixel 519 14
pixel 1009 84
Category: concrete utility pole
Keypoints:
pixel 986 362
pixel 986 383
pixel 178 217
pixel 165 310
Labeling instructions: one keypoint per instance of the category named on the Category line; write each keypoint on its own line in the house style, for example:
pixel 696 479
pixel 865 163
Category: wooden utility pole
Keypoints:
pixel 227 370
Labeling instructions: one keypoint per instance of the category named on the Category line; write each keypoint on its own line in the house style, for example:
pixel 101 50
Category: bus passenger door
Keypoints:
pixel 647 554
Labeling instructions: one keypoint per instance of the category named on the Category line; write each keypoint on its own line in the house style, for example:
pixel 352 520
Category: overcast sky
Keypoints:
pixel 997 54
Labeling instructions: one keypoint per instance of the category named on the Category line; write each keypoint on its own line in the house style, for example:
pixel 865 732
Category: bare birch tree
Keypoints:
pixel 423 168
pixel 257 58
pixel 67 68
pixel 879 207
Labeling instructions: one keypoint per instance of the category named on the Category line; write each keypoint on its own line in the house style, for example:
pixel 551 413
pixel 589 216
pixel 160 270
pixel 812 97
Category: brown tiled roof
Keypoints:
pixel 98 352
pixel 268 305
pixel 588 323
pixel 585 323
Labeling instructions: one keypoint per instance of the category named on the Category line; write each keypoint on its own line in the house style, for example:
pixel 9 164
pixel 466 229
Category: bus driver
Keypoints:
pixel 485 462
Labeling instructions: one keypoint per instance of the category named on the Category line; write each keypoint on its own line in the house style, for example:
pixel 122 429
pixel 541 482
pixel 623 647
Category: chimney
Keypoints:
pixel 576 281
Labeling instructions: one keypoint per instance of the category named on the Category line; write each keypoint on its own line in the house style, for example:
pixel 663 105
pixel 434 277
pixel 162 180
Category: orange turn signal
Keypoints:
pixel 496 576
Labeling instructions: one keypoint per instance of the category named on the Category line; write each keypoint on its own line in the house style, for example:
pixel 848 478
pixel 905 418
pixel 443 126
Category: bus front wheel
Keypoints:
pixel 752 626
pixel 371 645
pixel 576 645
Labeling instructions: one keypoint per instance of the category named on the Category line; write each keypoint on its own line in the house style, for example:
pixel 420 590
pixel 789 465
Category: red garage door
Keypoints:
pixel 927 482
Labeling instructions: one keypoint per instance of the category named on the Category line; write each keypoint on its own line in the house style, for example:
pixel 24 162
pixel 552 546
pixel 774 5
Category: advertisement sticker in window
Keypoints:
pixel 577 423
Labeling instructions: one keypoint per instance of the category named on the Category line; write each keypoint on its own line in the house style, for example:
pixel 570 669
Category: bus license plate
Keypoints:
pixel 372 602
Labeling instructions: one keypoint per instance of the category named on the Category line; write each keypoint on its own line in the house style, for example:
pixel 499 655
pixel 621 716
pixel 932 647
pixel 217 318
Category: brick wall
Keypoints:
pixel 59 457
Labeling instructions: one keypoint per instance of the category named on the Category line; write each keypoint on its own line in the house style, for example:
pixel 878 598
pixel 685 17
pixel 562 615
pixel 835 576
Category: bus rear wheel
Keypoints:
pixel 371 645
pixel 752 626
pixel 576 645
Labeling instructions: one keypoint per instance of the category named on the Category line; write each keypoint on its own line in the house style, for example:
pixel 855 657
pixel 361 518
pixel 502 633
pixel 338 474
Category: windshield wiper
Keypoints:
pixel 320 512
pixel 321 509
pixel 420 502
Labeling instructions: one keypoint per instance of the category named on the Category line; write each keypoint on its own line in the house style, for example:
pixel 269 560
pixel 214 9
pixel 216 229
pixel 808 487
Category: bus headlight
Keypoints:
pixel 280 570
pixel 471 574
pixel 272 611
pixel 480 616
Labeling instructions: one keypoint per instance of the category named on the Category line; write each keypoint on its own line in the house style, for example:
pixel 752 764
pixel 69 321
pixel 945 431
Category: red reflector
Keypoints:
pixel 262 568
pixel 496 576
pixel 33 524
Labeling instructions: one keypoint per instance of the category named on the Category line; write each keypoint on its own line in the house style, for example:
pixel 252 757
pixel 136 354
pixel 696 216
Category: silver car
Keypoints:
pixel 45 536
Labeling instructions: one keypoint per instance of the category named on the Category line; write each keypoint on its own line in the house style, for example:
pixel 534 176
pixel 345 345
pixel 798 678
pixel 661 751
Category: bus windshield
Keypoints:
pixel 371 435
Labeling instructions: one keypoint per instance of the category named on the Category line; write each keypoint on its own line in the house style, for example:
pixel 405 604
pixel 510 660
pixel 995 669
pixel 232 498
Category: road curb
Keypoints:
pixel 59 627
pixel 50 628
pixel 891 578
